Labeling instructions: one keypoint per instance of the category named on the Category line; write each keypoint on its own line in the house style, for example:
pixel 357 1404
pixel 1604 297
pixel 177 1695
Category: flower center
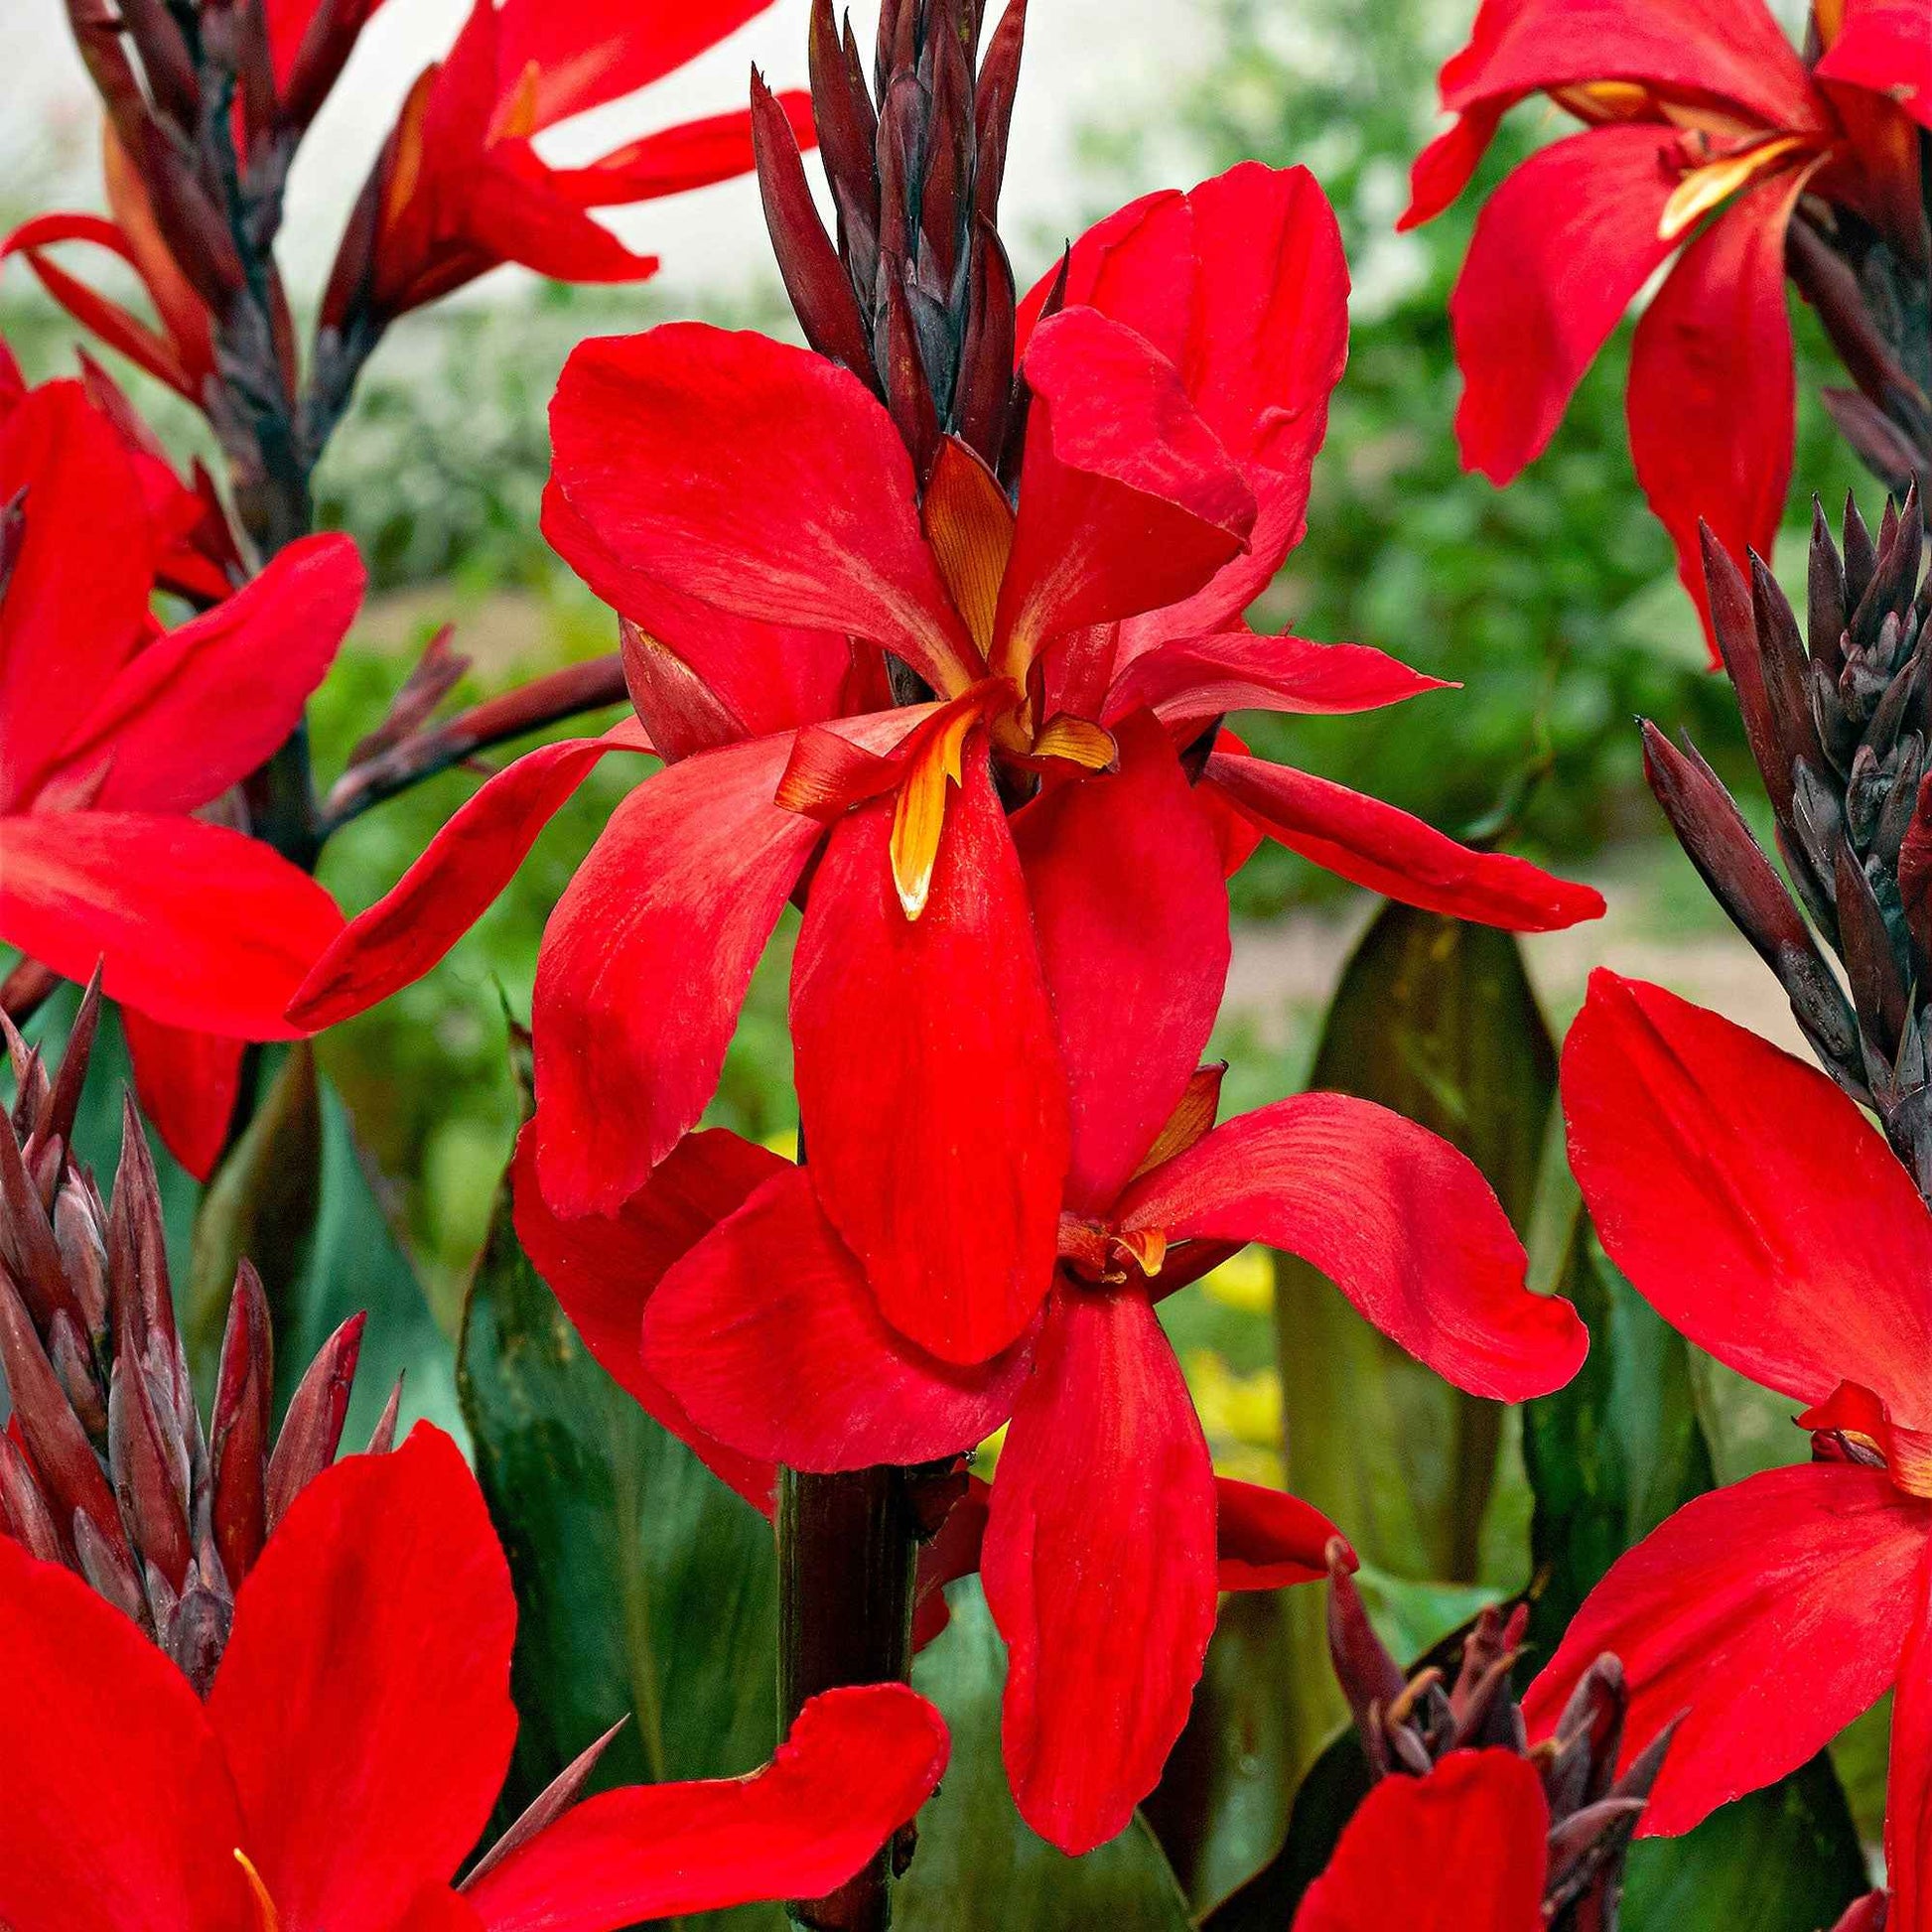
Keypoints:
pixel 1710 184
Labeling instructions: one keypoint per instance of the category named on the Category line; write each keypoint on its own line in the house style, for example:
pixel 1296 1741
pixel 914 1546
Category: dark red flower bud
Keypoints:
pixel 312 1431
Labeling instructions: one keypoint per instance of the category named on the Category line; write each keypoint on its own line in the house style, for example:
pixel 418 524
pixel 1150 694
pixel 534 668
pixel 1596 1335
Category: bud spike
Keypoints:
pixel 239 1428
pixel 312 1431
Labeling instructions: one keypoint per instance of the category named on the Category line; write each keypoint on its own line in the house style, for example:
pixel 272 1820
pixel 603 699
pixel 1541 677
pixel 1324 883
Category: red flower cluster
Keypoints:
pixel 1704 129
pixel 116 733
pixel 354 1742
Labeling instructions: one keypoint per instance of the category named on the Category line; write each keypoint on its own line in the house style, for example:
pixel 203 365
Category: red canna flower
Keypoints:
pixel 114 732
pixel 751 512
pixel 352 1743
pixel 1107 1536
pixel 1702 130
pixel 460 188
pixel 1751 1203
pixel 1460 1850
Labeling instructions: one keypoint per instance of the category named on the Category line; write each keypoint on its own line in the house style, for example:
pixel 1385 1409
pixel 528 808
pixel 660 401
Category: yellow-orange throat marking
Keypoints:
pixel 265 1913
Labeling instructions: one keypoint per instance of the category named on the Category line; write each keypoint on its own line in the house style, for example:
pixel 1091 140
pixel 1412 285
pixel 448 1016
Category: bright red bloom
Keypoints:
pixel 114 732
pixel 1101 1557
pixel 750 510
pixel 354 1740
pixel 1693 109
pixel 459 187
pixel 1460 1850
pixel 1756 1209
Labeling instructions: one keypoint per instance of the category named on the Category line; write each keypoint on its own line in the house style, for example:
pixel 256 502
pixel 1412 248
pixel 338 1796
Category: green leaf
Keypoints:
pixel 978 1865
pixel 646 1590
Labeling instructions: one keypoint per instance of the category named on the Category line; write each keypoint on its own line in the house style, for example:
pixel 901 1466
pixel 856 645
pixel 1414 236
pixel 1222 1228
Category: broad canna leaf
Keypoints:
pixel 646 1590
pixel 977 1863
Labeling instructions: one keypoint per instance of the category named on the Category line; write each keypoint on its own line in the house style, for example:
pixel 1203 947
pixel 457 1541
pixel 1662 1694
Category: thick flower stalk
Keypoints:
pixel 206 105
pixel 1713 146
pixel 1838 716
pixel 105 1468
pixel 349 1750
pixel 1450 1834
pixel 119 739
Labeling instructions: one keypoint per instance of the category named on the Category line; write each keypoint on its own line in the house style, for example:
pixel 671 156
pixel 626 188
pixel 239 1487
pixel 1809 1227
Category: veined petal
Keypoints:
pixel 859 1763
pixel 1131 913
pixel 757 478
pixel 1560 251
pixel 117 1813
pixel 188 1082
pixel 928 1081
pixel 195 925
pixel 605 1268
pixel 771 1339
pixel 1375 845
pixel 472 857
pixel 1711 400
pixel 1462 1849
pixel 363 1699
pixel 1400 1222
pixel 1747 1199
pixel 645 961
pixel 1099 1567
pixel 204 705
pixel 1768 1614
pixel 1193 679
pixel 1128 501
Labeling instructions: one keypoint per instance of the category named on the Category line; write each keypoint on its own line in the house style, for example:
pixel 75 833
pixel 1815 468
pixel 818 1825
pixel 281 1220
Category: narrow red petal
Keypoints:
pixel 1748 1201
pixel 1371 844
pixel 1131 913
pixel 772 1340
pixel 1099 1567
pixel 1401 1223
pixel 188 1082
pixel 1908 1780
pixel 929 1085
pixel 1767 1615
pixel 363 1699
pixel 1268 1539
pixel 471 859
pixel 859 1763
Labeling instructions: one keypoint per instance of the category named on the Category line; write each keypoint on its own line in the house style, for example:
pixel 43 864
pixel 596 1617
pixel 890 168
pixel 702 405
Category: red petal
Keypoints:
pixel 1195 679
pixel 595 50
pixel 1886 47
pixel 1371 844
pixel 765 677
pixel 1462 1849
pixel 363 1699
pixel 1128 500
pixel 188 1082
pixel 472 858
pixel 436 1908
pixel 1748 1201
pixel 116 1814
pixel 1132 918
pixel 645 962
pixel 198 925
pixel 514 210
pixel 1771 1613
pixel 76 602
pixel 1403 1224
pixel 1712 396
pixel 928 1082
pixel 1268 1539
pixel 1908 1782
pixel 604 1268
pixel 204 705
pixel 859 1763
pixel 770 1338
pixel 1099 1567
pixel 1560 251
pixel 759 477
pixel 674 160
pixel 952 1554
